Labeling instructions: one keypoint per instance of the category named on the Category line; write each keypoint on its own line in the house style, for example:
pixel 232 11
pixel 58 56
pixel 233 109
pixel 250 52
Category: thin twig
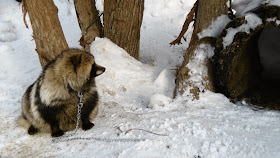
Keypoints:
pixel 117 127
pixel 189 19
pixel 24 11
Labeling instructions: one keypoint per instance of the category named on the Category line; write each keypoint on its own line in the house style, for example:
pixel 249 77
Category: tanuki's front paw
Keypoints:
pixel 57 133
pixel 87 126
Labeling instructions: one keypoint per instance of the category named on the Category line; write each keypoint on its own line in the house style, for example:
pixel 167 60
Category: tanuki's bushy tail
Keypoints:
pixel 23 122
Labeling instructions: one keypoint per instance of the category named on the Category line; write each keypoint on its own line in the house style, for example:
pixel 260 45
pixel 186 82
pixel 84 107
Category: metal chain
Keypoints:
pixel 109 140
pixel 66 137
pixel 80 106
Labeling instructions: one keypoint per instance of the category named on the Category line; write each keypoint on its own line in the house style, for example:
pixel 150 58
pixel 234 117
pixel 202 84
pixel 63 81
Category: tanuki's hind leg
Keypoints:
pixel 49 115
pixel 26 124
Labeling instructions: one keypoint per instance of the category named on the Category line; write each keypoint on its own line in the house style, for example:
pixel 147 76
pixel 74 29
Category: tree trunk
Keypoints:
pixel 122 23
pixel 47 31
pixel 207 11
pixel 248 68
pixel 89 22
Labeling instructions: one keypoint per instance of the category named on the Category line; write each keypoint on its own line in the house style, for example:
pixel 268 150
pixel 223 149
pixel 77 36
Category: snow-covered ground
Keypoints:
pixel 137 116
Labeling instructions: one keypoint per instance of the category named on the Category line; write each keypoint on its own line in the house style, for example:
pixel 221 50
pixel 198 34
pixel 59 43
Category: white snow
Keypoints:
pixel 159 102
pixel 197 65
pixel 136 97
pixel 272 2
pixel 165 82
pixel 273 19
pixel 241 7
pixel 252 21
pixel 216 27
pixel 198 71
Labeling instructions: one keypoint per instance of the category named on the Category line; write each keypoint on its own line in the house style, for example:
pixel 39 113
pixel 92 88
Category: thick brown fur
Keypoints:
pixel 50 103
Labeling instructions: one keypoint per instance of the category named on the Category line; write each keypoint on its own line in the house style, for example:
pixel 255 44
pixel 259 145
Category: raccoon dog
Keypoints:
pixel 50 103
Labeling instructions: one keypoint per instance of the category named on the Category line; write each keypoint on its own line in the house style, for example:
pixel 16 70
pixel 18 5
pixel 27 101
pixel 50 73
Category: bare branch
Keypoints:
pixel 185 27
pixel 24 11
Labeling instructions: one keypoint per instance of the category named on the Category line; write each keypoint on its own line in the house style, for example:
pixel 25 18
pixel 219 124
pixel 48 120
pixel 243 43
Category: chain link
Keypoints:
pixel 108 140
pixel 80 106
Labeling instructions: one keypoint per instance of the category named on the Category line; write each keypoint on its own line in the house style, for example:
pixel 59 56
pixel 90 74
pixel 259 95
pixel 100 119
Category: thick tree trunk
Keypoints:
pixel 89 22
pixel 122 23
pixel 248 67
pixel 47 31
pixel 207 11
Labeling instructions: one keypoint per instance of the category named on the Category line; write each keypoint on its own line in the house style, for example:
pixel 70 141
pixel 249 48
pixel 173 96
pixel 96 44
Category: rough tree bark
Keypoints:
pixel 241 67
pixel 207 11
pixel 89 22
pixel 47 31
pixel 122 23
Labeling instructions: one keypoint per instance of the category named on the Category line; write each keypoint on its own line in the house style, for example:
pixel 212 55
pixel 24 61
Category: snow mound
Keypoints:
pixel 165 82
pixel 127 80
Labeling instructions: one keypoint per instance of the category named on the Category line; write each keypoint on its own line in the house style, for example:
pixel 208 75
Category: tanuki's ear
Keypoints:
pixel 76 61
